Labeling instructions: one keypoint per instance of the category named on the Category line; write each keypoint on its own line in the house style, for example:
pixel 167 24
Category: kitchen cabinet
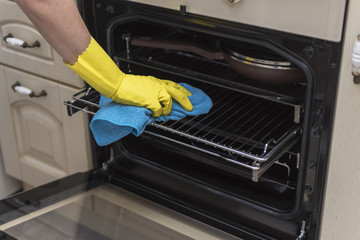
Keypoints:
pixel 40 143
pixel 41 60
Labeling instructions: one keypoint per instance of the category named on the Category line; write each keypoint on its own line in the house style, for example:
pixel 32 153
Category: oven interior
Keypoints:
pixel 247 146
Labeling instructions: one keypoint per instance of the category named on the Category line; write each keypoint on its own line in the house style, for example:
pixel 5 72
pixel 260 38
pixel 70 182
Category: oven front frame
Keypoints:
pixel 321 70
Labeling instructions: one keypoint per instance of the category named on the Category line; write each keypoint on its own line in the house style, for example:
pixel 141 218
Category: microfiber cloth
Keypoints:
pixel 114 121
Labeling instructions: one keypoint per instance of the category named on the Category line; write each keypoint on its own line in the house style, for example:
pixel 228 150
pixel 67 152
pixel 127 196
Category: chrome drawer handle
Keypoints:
pixel 16 87
pixel 16 42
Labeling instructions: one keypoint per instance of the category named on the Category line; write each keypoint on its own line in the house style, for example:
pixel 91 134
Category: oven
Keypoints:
pixel 254 167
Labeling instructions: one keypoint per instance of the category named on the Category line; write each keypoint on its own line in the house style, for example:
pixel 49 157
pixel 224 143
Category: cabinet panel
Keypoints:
pixel 76 135
pixel 42 61
pixel 50 102
pixel 39 135
pixel 40 143
pixel 38 128
pixel 321 19
pixel 7 134
pixel 29 35
pixel 45 144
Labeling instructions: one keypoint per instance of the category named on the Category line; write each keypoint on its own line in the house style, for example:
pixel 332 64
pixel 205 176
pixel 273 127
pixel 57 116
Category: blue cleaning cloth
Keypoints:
pixel 114 121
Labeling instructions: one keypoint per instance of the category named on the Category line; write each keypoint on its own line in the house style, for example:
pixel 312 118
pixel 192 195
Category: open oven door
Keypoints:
pixel 86 206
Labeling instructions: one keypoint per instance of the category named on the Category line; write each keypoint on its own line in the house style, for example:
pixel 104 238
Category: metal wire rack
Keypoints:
pixel 200 69
pixel 240 129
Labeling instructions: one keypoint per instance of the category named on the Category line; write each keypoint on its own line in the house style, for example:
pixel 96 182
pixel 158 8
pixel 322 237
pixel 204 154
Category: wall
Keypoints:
pixel 341 216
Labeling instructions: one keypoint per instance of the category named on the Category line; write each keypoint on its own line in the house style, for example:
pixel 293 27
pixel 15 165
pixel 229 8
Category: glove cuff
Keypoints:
pixel 96 68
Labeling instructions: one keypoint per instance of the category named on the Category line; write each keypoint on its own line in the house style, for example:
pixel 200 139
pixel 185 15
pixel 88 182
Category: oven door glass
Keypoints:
pixel 85 207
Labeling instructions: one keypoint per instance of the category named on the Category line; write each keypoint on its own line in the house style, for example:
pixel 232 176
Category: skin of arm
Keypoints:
pixel 60 23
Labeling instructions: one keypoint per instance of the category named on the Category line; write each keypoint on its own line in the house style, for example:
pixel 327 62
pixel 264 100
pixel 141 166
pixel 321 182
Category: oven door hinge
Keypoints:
pixel 107 165
pixel 302 231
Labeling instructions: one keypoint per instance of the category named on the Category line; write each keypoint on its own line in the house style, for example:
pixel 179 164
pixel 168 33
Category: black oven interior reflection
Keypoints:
pixel 255 165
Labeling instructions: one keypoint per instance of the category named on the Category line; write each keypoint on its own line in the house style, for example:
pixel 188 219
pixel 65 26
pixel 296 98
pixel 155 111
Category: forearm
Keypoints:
pixel 60 23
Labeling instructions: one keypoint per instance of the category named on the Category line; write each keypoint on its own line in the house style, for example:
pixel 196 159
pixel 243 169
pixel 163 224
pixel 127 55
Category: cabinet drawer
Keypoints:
pixel 50 101
pixel 41 60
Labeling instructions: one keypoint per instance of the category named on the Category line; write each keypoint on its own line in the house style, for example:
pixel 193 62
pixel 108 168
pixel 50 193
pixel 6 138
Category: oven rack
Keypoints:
pixel 240 129
pixel 201 69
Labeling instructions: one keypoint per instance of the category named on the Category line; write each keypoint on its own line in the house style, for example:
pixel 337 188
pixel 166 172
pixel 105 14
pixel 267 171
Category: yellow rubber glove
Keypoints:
pixel 100 72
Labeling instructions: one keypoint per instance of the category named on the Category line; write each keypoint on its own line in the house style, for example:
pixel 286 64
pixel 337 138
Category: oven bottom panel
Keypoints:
pixel 201 201
pixel 275 190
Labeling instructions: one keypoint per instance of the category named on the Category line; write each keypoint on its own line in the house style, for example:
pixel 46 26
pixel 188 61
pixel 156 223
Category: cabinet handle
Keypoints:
pixel 16 42
pixel 16 87
pixel 356 61
pixel 233 1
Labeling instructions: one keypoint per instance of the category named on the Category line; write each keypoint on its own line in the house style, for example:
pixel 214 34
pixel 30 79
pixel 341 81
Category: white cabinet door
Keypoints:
pixel 7 135
pixel 46 145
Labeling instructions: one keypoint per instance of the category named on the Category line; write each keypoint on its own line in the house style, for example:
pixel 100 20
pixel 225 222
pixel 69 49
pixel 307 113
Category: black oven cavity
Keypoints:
pixel 249 166
pixel 247 137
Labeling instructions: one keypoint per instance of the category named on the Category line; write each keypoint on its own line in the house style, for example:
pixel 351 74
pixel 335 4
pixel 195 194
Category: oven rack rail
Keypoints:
pixel 200 69
pixel 217 131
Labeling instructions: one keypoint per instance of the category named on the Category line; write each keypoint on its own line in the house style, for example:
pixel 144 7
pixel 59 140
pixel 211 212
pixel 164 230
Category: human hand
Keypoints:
pixel 100 72
pixel 152 93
